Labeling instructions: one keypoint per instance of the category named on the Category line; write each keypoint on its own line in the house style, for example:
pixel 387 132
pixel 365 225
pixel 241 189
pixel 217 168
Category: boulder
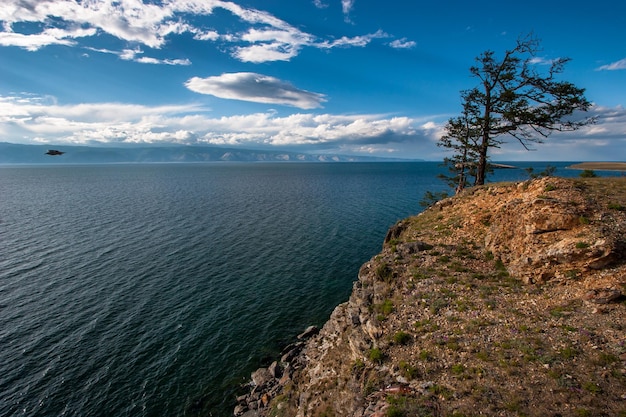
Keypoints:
pixel 261 377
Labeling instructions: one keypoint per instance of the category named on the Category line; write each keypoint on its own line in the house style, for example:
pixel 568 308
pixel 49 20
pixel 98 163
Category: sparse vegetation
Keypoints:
pixel 480 328
pixel 401 338
pixel 384 272
pixel 376 355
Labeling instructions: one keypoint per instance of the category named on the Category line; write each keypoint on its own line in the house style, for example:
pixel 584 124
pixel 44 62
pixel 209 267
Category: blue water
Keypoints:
pixel 154 290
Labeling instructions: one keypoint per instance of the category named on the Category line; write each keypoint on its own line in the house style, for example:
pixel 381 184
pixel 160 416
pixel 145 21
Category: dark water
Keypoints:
pixel 154 290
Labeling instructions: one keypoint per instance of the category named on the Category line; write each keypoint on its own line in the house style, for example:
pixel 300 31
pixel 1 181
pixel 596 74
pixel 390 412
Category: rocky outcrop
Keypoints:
pixel 504 300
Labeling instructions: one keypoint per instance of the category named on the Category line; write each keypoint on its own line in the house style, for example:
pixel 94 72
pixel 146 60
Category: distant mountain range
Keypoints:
pixel 35 154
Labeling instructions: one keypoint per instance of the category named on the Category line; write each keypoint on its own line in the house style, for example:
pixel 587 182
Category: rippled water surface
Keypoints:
pixel 153 290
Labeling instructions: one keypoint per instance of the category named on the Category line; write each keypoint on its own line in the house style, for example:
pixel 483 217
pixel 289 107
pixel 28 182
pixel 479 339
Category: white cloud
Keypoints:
pixel 133 55
pixel 542 61
pixel 354 41
pixel 320 4
pixel 617 65
pixel 346 7
pixel 267 37
pixel 40 119
pixel 257 88
pixel 402 44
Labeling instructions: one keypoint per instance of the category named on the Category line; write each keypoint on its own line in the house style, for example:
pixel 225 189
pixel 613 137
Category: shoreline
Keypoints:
pixel 600 166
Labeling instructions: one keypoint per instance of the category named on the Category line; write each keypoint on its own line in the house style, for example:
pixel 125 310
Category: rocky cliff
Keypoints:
pixel 505 300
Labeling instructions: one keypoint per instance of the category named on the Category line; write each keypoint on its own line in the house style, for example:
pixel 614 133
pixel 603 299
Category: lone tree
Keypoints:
pixel 512 99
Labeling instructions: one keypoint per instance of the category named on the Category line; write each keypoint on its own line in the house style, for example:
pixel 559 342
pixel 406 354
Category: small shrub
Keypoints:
pixel 384 272
pixel 568 352
pixel 385 308
pixel 588 173
pixel 582 245
pixel 583 220
pixel 550 187
pixel 606 359
pixel 408 371
pixel 437 305
pixel 376 355
pixel 499 265
pixel 443 259
pixel 616 206
pixel 592 387
pixel 394 411
pixel 431 198
pixel 457 369
pixel 401 338
pixel 358 366
pixel 440 390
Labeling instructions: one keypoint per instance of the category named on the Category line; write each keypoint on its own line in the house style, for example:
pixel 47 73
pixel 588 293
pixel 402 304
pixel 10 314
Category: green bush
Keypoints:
pixel 401 338
pixel 588 173
pixel 376 355
pixel 384 272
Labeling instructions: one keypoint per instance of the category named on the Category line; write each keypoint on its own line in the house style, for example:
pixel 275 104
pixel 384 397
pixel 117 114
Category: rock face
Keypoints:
pixel 504 300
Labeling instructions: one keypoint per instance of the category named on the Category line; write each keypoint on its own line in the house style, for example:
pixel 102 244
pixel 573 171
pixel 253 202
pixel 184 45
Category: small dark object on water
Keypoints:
pixel 54 152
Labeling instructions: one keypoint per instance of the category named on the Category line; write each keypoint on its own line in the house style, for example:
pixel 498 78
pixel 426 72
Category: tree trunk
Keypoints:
pixel 481 169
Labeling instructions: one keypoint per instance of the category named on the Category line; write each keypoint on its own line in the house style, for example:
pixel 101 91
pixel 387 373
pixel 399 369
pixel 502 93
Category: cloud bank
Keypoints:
pixel 35 119
pixel 34 24
pixel 257 88
pixel 41 120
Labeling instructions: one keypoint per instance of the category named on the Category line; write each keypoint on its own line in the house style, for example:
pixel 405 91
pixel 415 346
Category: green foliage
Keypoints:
pixel 409 406
pixel 385 308
pixel 358 366
pixel 548 172
pixel 376 355
pixel 408 371
pixel 458 369
pixel 384 272
pixel 511 99
pixel 582 245
pixel 401 338
pixel 430 198
pixel 592 387
pixel 588 173
pixel 616 206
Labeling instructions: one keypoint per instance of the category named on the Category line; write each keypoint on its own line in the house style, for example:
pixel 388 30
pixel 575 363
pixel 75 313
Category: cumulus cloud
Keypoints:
pixel 64 22
pixel 258 88
pixel 42 119
pixel 402 44
pixel 617 65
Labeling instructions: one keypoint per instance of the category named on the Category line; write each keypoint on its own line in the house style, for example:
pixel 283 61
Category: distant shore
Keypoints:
pixel 600 166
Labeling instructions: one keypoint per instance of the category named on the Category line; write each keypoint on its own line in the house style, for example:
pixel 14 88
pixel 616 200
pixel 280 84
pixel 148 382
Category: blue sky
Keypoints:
pixel 356 77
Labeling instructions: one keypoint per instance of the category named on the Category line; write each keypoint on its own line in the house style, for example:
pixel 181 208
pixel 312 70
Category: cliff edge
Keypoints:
pixel 505 300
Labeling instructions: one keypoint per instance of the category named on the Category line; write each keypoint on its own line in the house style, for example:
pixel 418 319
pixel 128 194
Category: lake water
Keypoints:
pixel 154 290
